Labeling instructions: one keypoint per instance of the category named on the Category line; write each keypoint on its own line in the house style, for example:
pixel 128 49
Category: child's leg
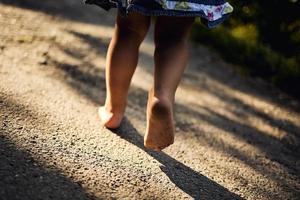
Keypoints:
pixel 121 61
pixel 170 60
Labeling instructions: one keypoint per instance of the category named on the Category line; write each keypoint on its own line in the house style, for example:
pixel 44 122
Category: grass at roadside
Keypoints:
pixel 239 46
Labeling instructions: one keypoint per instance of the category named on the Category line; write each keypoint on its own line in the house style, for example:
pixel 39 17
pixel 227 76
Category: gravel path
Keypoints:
pixel 236 138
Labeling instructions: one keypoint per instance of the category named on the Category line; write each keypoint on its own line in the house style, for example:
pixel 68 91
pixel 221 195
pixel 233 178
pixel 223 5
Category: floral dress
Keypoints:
pixel 211 12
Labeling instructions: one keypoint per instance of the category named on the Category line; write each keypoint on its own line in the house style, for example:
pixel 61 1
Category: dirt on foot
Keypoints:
pixel 159 132
pixel 235 137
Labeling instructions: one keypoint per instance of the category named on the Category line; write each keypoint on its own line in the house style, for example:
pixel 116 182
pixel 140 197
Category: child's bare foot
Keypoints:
pixel 160 128
pixel 110 119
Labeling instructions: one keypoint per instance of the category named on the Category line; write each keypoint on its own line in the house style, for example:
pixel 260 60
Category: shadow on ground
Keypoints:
pixel 188 180
pixel 72 10
pixel 21 176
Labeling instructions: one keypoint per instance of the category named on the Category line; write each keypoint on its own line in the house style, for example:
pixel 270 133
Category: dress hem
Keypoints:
pixel 178 13
pixel 124 10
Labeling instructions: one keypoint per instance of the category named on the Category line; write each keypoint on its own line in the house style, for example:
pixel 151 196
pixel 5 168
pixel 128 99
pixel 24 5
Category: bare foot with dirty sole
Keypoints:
pixel 160 129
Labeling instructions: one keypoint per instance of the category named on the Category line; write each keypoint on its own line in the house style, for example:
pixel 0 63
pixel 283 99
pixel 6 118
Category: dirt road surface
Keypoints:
pixel 236 137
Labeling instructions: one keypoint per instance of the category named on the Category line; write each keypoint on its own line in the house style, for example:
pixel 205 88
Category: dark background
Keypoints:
pixel 262 38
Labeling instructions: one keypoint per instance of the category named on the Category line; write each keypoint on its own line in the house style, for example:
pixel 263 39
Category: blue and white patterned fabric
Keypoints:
pixel 211 12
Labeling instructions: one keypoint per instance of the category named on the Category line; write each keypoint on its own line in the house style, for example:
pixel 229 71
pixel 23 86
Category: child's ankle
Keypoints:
pixel 161 98
pixel 115 108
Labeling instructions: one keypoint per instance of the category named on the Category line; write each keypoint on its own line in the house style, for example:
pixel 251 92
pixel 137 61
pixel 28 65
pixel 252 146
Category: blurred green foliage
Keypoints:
pixel 263 38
